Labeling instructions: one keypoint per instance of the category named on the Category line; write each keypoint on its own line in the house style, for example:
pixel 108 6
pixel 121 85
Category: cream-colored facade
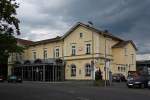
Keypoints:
pixel 83 46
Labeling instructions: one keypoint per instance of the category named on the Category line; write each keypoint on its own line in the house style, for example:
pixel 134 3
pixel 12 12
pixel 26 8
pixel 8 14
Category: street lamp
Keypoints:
pixel 105 64
pixel 92 62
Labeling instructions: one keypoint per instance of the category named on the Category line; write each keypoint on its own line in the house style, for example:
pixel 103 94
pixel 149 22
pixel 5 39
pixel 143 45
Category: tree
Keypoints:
pixel 9 25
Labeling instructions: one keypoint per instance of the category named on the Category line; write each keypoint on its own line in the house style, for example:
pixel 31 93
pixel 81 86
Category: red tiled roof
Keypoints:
pixel 46 41
pixel 24 42
pixel 124 43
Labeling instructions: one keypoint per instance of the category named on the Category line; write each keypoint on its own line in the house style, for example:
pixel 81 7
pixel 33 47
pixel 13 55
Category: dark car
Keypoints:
pixel 138 81
pixel 1 79
pixel 118 77
pixel 14 79
pixel 148 83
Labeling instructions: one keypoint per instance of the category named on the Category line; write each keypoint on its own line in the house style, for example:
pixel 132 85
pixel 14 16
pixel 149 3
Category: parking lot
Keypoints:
pixel 69 91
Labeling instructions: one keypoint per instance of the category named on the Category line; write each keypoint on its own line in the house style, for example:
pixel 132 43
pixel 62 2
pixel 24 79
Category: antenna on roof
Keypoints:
pixel 106 31
pixel 90 22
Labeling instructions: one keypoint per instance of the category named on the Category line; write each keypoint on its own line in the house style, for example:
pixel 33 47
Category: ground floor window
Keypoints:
pixel 88 70
pixel 121 69
pixel 73 70
pixel 47 72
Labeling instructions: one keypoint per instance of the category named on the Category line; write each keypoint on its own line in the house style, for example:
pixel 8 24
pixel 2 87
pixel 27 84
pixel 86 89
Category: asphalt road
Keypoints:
pixel 69 91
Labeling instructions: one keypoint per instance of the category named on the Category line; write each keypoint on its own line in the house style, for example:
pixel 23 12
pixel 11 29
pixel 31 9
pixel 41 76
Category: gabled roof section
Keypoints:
pixel 24 42
pixel 124 43
pixel 107 34
pixel 56 39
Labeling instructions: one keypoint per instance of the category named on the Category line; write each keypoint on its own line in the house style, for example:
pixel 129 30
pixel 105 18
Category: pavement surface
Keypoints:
pixel 69 91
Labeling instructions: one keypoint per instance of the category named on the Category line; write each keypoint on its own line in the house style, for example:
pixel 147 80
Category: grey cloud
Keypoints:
pixel 128 19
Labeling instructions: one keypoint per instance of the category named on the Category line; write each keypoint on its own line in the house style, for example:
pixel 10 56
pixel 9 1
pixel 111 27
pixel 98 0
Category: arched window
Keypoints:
pixel 88 70
pixel 73 70
pixel 27 62
pixel 119 68
pixel 38 61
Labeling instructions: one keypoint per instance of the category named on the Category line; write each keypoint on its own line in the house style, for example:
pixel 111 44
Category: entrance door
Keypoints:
pixel 38 73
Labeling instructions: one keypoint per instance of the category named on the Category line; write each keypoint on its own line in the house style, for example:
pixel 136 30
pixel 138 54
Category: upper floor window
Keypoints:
pixel 73 50
pixel 88 70
pixel 18 57
pixel 73 70
pixel 125 51
pixel 45 54
pixel 81 35
pixel 34 55
pixel 132 55
pixel 88 48
pixel 57 52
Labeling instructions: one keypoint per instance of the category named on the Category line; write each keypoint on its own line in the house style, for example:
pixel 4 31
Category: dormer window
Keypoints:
pixel 81 35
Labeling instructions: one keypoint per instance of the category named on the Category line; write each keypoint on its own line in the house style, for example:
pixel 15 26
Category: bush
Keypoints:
pixel 99 83
pixel 98 75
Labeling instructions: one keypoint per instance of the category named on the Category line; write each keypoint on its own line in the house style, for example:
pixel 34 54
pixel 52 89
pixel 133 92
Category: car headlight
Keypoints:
pixel 149 82
pixel 137 82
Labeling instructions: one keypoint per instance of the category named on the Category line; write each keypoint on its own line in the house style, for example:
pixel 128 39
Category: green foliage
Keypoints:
pixel 99 83
pixel 98 75
pixel 9 24
pixel 8 20
pixel 8 44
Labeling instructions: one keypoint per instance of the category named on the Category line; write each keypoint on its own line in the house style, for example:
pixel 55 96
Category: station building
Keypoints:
pixel 76 55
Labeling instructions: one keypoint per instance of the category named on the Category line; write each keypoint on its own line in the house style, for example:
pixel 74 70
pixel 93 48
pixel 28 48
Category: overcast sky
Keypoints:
pixel 129 19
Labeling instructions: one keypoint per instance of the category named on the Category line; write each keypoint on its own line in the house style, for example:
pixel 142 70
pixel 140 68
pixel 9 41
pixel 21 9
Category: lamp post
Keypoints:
pixel 105 64
pixel 92 62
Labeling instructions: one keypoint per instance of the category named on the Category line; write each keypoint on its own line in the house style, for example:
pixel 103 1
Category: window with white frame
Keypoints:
pixel 57 52
pixel 81 35
pixel 125 51
pixel 73 50
pixel 45 54
pixel 88 70
pixel 88 48
pixel 119 68
pixel 122 69
pixel 34 55
pixel 73 70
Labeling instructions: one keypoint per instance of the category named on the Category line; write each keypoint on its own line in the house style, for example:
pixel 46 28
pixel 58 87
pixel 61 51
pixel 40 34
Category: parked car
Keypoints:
pixel 118 77
pixel 14 79
pixel 1 79
pixel 148 83
pixel 138 81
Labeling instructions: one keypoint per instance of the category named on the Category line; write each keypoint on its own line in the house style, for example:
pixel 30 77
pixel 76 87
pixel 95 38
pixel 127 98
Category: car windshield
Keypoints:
pixel 12 77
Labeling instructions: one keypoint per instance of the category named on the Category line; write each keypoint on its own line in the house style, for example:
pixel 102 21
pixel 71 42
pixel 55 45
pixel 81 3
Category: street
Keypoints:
pixel 69 91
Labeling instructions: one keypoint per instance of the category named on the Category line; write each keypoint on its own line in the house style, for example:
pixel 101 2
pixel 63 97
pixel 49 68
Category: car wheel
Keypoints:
pixel 129 86
pixel 142 86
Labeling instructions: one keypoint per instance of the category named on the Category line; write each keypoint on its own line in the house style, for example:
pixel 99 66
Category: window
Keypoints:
pixel 73 50
pixel 81 35
pixel 18 57
pixel 45 54
pixel 118 68
pixel 132 55
pixel 34 55
pixel 125 51
pixel 122 69
pixel 73 70
pixel 57 52
pixel 88 48
pixel 88 70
